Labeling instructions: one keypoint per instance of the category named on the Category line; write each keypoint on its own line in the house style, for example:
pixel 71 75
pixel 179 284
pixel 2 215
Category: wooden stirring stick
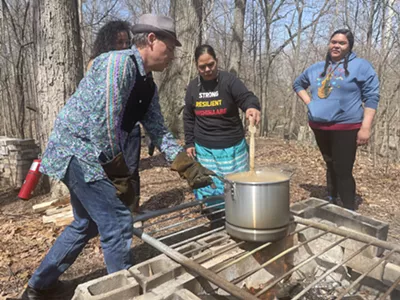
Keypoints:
pixel 252 131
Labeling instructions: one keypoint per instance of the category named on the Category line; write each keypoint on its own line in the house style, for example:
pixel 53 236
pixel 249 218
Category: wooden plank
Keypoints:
pixel 54 218
pixel 64 221
pixel 41 207
pixel 58 209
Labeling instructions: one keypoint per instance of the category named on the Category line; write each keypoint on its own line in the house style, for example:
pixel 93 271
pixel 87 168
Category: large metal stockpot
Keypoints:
pixel 255 210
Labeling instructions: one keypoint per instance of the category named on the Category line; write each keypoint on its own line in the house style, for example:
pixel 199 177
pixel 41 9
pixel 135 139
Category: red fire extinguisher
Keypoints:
pixel 31 180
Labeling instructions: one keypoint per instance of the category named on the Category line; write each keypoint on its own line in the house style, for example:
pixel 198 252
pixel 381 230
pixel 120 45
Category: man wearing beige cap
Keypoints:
pixel 89 151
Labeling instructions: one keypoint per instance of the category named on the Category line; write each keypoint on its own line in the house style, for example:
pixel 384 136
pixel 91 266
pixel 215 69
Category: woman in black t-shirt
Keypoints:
pixel 214 134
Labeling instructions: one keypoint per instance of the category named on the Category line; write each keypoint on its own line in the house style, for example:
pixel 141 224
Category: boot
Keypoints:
pixel 60 291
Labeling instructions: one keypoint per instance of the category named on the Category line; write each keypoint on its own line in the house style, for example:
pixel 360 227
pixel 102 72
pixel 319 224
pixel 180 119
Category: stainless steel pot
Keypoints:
pixel 257 211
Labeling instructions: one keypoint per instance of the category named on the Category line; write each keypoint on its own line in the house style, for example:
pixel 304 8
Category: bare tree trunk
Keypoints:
pixel 296 61
pixel 238 33
pixel 174 80
pixel 370 28
pixel 59 64
pixel 59 58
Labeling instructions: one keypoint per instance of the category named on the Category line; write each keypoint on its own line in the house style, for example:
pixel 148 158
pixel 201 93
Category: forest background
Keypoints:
pixel 45 46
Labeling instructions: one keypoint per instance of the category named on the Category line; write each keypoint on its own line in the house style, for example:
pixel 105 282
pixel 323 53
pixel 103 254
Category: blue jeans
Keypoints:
pixel 96 209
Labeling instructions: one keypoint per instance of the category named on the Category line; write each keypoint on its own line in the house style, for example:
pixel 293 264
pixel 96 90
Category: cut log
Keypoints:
pixel 59 216
pixel 58 209
pixel 41 207
pixel 64 221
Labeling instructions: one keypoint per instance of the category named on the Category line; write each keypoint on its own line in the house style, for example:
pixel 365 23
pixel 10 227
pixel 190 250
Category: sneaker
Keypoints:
pixel 332 200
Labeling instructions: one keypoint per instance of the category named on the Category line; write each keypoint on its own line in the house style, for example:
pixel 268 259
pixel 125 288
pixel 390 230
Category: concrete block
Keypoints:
pixel 354 221
pixel 182 295
pixel 14 141
pixel 306 208
pixel 353 245
pixel 195 251
pixel 3 150
pixel 391 273
pixel 361 264
pixel 148 296
pixel 192 282
pixel 155 272
pixel 116 286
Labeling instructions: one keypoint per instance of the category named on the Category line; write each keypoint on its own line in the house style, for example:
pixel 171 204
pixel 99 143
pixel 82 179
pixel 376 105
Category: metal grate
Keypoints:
pixel 177 226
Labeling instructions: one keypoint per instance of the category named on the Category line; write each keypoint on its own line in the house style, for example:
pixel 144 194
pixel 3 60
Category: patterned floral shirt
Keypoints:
pixel 90 122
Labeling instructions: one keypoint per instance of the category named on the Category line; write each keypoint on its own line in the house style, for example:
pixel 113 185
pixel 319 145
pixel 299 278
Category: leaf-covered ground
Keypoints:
pixel 24 239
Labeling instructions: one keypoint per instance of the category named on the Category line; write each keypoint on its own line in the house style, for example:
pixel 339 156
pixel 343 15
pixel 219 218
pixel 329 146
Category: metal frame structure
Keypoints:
pixel 158 237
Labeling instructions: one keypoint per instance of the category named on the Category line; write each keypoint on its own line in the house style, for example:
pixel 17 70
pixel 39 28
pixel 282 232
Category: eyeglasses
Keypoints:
pixel 169 48
pixel 204 67
pixel 165 41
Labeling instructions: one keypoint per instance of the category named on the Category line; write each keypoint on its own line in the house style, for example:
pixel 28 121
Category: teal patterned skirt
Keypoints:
pixel 226 161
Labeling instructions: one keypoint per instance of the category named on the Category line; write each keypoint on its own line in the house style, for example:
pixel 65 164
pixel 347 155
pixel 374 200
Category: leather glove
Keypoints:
pixel 118 173
pixel 196 175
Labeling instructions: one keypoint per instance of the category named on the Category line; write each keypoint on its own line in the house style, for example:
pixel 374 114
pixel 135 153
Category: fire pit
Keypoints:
pixel 329 253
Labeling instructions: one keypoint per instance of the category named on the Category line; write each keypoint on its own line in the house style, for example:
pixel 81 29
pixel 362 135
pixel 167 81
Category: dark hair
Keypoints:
pixel 350 37
pixel 204 49
pixel 107 37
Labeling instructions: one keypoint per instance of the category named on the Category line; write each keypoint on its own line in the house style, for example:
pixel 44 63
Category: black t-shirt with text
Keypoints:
pixel 211 116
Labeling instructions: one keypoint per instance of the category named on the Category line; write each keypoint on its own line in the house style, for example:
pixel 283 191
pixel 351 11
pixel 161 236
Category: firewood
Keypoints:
pixel 54 218
pixel 41 207
pixel 58 209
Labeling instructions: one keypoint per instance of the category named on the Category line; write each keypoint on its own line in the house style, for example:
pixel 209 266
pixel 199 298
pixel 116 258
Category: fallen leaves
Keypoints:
pixel 24 239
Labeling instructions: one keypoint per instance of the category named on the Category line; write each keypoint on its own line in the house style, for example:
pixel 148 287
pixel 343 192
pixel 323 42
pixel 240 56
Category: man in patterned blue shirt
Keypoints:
pixel 87 147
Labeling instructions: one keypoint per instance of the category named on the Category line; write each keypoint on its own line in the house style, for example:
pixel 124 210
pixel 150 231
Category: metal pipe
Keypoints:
pixel 331 270
pixel 174 225
pixel 254 251
pixel 275 258
pixel 180 216
pixel 300 265
pixel 210 244
pixel 170 218
pixel 197 268
pixel 160 212
pixel 360 237
pixel 185 230
pixel 220 251
pixel 394 285
pixel 364 275
pixel 197 237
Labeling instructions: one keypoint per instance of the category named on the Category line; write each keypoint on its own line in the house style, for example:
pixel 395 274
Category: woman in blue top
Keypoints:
pixel 344 95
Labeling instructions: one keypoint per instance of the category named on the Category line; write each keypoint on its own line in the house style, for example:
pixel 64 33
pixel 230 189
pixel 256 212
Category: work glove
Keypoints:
pixel 118 173
pixel 196 175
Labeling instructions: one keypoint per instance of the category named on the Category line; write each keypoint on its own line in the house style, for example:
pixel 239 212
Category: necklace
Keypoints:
pixel 326 88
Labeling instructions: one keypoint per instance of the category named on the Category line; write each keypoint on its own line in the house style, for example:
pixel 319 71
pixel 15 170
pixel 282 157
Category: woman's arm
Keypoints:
pixel 303 95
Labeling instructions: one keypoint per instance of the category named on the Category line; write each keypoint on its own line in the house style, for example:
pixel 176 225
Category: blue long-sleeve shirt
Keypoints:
pixel 90 122
pixel 348 93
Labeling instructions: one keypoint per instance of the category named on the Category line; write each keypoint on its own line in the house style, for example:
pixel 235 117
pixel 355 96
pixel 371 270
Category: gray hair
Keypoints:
pixel 140 39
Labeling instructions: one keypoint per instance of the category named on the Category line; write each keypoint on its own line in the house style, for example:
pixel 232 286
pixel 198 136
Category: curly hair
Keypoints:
pixel 107 36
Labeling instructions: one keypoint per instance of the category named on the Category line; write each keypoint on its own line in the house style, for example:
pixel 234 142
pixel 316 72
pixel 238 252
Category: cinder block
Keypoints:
pixel 155 272
pixel 354 221
pixel 362 263
pixel 391 273
pixel 182 295
pixel 116 286
pixel 148 296
pixel 306 208
pixel 195 251
pixel 3 150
